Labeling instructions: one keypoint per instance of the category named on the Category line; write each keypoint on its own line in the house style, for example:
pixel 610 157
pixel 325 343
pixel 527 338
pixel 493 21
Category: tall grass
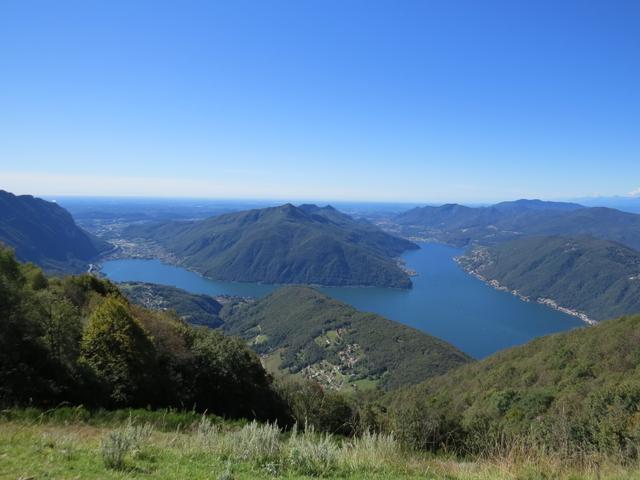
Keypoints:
pixel 372 451
pixel 311 454
pixel 265 451
pixel 119 443
pixel 165 420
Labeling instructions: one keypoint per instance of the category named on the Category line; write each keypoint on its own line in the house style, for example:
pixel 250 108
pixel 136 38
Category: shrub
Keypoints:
pixel 371 451
pixel 118 443
pixel 225 377
pixel 257 443
pixel 114 448
pixel 209 436
pixel 312 454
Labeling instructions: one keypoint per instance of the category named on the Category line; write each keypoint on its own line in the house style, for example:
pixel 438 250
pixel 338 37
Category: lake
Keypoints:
pixel 444 301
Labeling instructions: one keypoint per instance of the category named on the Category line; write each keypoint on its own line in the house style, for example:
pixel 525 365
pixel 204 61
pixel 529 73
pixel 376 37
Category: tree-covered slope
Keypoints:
pixel 574 393
pixel 76 340
pixel 44 233
pixel 285 244
pixel 597 277
pixel 195 309
pixel 460 225
pixel 301 330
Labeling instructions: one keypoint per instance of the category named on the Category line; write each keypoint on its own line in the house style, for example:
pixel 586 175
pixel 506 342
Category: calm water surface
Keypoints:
pixel 444 301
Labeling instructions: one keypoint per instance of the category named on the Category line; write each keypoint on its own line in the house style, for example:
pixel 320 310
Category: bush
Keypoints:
pixel 371 451
pixel 312 454
pixel 311 405
pixel 227 378
pixel 114 447
pixel 118 443
pixel 257 443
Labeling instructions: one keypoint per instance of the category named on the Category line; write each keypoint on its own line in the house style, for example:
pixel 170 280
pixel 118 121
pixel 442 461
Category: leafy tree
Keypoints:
pixel 24 366
pixel 119 352
pixel 325 410
pixel 227 378
pixel 62 328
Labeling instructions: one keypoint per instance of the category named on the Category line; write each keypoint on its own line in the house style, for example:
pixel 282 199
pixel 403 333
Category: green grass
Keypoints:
pixel 364 384
pixel 61 445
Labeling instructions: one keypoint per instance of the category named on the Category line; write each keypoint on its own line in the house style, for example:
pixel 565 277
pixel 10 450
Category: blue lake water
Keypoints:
pixel 444 301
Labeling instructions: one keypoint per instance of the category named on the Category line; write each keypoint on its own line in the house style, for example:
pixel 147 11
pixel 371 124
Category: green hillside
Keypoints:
pixel 575 394
pixel 302 331
pixel 44 233
pixel 460 225
pixel 192 308
pixel 76 340
pixel 285 244
pixel 597 277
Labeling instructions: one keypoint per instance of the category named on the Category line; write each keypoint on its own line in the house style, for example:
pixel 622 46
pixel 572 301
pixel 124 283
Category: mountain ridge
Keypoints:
pixel 599 278
pixel 44 233
pixel 305 332
pixel 461 226
pixel 285 244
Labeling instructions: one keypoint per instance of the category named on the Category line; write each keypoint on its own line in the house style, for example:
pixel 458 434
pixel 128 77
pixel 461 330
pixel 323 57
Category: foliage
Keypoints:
pixel 257 443
pixel 597 277
pixel 78 340
pixel 285 244
pixel 117 444
pixel 311 454
pixel 70 449
pixel 120 354
pixel 321 409
pixel 226 378
pixel 25 370
pixel 573 394
pixel 192 308
pixel 307 328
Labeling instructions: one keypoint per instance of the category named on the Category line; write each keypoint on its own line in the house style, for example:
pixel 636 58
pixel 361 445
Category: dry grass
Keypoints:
pixel 209 450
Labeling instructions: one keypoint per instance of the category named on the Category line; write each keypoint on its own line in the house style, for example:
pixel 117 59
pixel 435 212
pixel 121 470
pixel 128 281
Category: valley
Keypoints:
pixel 444 301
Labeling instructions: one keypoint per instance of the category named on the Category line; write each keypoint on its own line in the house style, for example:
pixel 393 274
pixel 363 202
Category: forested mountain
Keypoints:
pixel 285 244
pixel 597 277
pixel 195 309
pixel 44 233
pixel 300 330
pixel 574 393
pixel 460 225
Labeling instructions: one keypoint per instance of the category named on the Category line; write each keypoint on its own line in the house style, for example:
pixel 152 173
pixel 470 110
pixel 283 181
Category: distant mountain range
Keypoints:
pixel 597 277
pixel 625 203
pixel 302 331
pixel 44 233
pixel 286 244
pixel 459 225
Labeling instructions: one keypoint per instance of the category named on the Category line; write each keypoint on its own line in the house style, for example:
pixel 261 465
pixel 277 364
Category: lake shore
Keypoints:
pixel 549 302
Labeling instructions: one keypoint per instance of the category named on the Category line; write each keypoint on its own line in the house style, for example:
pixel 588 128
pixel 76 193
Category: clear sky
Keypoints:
pixel 358 100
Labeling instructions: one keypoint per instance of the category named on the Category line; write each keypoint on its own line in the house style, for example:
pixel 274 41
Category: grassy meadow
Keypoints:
pixel 73 443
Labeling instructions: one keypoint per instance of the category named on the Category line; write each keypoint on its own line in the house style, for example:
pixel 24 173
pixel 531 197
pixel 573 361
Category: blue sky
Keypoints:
pixel 354 100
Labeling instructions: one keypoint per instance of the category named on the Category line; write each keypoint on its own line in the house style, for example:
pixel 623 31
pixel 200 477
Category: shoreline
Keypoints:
pixel 159 253
pixel 548 302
